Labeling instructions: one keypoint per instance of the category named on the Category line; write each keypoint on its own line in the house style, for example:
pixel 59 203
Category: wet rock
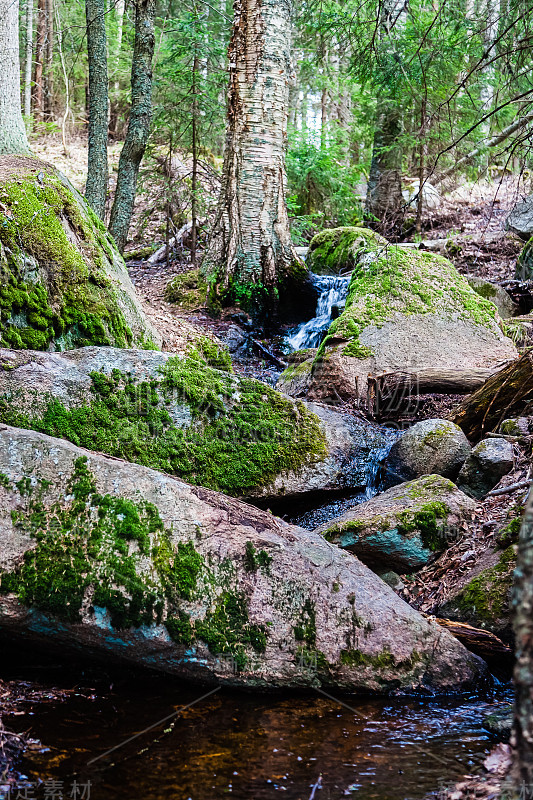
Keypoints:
pixel 406 311
pixel 296 379
pixel 178 414
pixel 137 564
pixel 518 426
pixel 66 284
pixel 335 251
pixel 402 528
pixel 499 723
pixel 234 338
pixel 433 446
pixel 486 465
pixel 494 294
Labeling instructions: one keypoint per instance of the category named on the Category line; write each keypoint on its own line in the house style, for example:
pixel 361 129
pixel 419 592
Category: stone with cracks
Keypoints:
pixel 116 558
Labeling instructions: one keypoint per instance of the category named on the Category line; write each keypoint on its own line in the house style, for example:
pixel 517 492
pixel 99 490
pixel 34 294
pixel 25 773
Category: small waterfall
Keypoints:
pixel 332 291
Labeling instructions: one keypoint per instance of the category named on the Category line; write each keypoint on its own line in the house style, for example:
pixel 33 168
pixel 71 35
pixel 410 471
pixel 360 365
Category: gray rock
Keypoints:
pixel 234 338
pixel 518 426
pixel 488 462
pixel 503 301
pixel 433 446
pixel 137 564
pixel 32 382
pixel 499 723
pixel 402 528
pixel 520 220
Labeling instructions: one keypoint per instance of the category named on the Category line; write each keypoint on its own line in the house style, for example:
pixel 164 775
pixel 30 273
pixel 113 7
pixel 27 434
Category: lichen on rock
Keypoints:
pixel 63 283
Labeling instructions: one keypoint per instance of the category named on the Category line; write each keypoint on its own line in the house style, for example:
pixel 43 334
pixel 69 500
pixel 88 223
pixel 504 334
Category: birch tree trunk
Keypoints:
pixel 384 191
pixel 491 18
pixel 139 122
pixel 12 131
pixel 250 251
pixel 522 775
pixel 38 61
pixel 97 166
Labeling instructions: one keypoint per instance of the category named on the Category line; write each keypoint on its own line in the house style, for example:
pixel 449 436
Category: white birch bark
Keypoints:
pixel 490 14
pixel 250 244
pixel 12 131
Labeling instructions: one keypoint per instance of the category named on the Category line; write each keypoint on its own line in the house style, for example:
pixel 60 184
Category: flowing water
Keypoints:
pixel 246 746
pixel 332 291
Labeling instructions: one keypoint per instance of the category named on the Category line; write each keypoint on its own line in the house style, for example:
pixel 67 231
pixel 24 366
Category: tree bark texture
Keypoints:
pixel 139 122
pixel 38 93
pixel 505 394
pixel 12 131
pixel 522 775
pixel 384 191
pixel 48 88
pixel 250 247
pixel 28 57
pixel 97 167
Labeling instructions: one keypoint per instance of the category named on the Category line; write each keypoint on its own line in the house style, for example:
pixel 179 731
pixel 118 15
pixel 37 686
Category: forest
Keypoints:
pixel 266 399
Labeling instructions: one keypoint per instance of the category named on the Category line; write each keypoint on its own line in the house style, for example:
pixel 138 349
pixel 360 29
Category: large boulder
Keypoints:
pixel 520 220
pixel 114 557
pixel 63 283
pixel 403 527
pixel 406 311
pixel 431 446
pixel 486 465
pixel 178 414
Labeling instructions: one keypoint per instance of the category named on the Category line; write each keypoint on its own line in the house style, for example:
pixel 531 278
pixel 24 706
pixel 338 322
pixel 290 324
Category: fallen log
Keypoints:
pixel 507 393
pixel 264 352
pixel 479 641
pixel 393 391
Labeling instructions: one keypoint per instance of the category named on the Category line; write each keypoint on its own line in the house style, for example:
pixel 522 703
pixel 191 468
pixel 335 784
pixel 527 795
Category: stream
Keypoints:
pixel 243 745
pixel 301 746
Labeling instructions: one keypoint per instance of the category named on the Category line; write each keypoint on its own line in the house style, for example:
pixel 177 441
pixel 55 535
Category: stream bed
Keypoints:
pixel 240 745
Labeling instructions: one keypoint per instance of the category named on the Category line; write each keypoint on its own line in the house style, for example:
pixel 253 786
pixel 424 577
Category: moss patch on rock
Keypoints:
pixel 232 435
pixel 389 280
pixel 188 289
pixel 54 288
pixel 337 250
pixel 486 598
pixel 104 552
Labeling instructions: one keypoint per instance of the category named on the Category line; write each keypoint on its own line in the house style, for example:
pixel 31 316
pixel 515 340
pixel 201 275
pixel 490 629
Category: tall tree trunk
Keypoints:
pixel 139 122
pixel 38 94
pixel 48 59
pixel 490 10
pixel 523 674
pixel 28 58
pixel 384 191
pixel 12 131
pixel 115 98
pixel 250 247
pixel 97 167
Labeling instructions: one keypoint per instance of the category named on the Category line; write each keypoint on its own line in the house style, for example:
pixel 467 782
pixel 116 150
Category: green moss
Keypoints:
pixel 337 250
pixel 215 354
pixel 241 435
pixel 383 660
pixel 188 289
pixel 487 596
pixel 256 559
pixel 426 521
pixel 4 481
pixel 389 279
pixel 94 547
pixel 305 630
pixel 509 533
pixel 53 291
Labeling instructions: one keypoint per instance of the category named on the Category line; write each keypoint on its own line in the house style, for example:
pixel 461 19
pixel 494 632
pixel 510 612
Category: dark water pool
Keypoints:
pixel 244 746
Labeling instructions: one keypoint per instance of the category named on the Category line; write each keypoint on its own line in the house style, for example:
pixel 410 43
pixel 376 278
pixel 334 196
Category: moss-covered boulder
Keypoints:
pixel 63 283
pixel 496 294
pixel 486 465
pixel 188 416
pixel 483 596
pixel 432 446
pixel 404 527
pixel 524 264
pixel 118 559
pixel 335 251
pixel 406 311
pixel 188 289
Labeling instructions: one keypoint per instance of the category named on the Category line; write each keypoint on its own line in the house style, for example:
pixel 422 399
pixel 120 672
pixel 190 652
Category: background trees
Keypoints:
pixel 12 132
